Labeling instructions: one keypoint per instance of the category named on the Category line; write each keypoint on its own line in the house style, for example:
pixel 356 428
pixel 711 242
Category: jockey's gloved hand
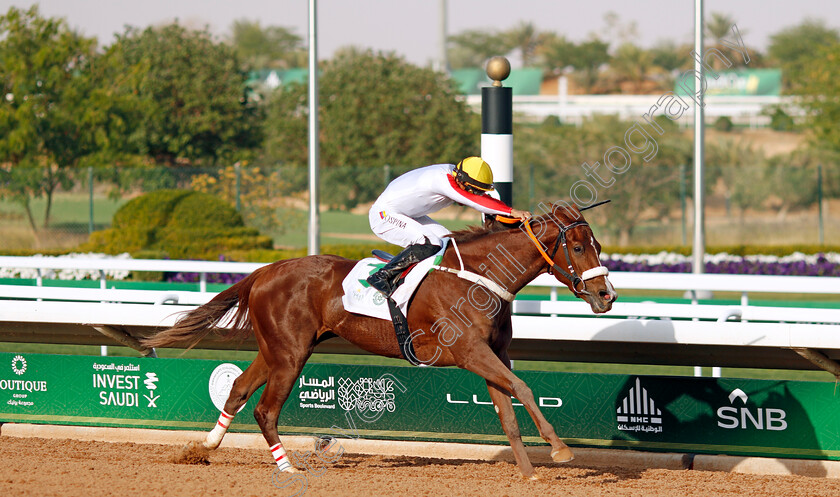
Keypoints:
pixel 521 215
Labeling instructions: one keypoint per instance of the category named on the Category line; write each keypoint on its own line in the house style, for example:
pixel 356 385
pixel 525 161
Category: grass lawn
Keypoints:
pixel 335 223
pixel 67 208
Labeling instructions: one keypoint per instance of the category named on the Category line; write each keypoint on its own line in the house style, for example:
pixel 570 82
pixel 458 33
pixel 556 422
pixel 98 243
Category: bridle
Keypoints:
pixel 571 275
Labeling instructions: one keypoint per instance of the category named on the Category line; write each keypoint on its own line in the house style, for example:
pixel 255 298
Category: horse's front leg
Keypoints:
pixel 504 408
pixel 483 362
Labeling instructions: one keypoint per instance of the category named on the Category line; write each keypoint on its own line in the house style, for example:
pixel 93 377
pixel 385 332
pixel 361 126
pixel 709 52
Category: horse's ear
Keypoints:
pixel 563 210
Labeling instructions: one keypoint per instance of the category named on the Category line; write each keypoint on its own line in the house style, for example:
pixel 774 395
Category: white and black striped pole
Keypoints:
pixel 497 128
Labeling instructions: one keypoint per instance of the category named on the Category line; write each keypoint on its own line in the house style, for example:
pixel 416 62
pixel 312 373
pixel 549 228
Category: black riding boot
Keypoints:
pixel 385 280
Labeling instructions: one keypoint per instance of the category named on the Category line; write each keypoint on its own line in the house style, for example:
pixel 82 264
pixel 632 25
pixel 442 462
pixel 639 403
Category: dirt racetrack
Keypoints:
pixel 43 467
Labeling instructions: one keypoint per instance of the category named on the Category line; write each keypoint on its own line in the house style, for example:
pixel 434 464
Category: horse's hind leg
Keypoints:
pixel 281 380
pixel 243 387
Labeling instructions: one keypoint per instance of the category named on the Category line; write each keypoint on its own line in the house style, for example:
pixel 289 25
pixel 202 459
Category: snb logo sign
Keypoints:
pixel 743 417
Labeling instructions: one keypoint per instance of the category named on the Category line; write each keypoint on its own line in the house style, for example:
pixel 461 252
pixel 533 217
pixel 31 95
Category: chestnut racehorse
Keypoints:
pixel 292 305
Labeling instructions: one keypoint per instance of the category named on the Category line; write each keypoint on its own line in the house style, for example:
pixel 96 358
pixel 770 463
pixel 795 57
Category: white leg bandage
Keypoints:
pixel 214 438
pixel 279 455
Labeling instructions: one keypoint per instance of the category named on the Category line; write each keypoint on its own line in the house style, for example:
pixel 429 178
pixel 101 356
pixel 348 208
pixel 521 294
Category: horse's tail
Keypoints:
pixel 193 326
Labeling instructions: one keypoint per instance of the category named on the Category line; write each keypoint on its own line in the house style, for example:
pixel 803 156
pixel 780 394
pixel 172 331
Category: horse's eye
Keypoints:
pixel 579 249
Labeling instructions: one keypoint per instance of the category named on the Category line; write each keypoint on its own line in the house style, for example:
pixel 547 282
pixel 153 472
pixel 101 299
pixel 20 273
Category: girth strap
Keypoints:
pixel 403 335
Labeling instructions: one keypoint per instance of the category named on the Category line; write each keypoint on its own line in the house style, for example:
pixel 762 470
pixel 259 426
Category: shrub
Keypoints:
pixel 202 210
pixel 723 123
pixel 177 224
pixel 151 210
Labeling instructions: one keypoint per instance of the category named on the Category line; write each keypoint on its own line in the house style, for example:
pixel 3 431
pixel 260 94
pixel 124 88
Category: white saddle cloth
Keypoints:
pixel 361 298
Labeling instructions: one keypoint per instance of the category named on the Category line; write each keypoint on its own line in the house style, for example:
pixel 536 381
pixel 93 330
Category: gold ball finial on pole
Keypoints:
pixel 498 68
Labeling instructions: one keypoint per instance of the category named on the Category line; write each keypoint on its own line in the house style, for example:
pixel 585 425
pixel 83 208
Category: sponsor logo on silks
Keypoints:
pixel 543 401
pixel 740 415
pixel 18 365
pixel 221 381
pixel 391 219
pixel 378 298
pixel 150 382
pixel 395 222
pixel 638 411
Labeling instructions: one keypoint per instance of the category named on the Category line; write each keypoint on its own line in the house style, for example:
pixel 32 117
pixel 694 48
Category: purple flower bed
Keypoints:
pixel 792 265
pixel 224 278
pixel 818 265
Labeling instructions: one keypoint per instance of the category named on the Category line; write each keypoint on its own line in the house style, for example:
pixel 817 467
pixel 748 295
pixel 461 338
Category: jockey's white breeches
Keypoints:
pixel 403 230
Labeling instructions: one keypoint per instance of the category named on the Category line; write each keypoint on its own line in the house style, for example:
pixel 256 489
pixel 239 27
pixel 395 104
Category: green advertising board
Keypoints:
pixel 682 414
pixel 765 82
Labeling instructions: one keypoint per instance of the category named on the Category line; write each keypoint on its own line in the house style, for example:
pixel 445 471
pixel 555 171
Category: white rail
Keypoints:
pixel 714 334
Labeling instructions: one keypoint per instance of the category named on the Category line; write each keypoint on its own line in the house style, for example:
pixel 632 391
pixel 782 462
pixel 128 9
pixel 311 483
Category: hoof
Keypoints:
pixel 533 477
pixel 562 455
pixel 291 469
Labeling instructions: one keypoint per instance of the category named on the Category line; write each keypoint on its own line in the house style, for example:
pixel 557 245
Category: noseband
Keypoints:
pixel 594 272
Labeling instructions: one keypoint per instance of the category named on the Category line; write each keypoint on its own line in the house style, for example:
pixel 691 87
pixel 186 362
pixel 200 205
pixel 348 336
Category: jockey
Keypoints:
pixel 400 214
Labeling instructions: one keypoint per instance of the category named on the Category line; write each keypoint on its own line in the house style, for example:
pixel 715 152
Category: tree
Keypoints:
pixel 48 123
pixel 619 32
pixel 270 47
pixel 526 39
pixel 819 89
pixel 670 56
pixel 472 48
pixel 191 96
pixel 375 109
pixel 590 56
pixel 742 171
pixel 644 192
pixel 793 47
pixel 556 53
pixel 632 64
pixel 718 27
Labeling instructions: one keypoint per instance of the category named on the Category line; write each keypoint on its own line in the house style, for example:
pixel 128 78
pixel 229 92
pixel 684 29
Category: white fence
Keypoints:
pixel 744 110
pixel 743 335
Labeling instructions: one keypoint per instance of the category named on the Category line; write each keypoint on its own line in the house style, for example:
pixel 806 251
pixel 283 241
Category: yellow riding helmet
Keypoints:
pixel 475 172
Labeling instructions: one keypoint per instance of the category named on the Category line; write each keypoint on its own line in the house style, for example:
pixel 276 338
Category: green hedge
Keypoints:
pixel 178 224
pixel 148 211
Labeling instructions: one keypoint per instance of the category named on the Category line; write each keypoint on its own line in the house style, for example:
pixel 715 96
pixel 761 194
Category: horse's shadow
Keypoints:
pixel 625 474
pixel 709 394
pixel 611 474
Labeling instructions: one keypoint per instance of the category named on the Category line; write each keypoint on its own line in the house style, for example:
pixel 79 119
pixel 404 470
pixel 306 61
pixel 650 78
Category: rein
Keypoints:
pixel 570 275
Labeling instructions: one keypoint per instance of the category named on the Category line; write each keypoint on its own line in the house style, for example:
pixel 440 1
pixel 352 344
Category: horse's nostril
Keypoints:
pixel 605 295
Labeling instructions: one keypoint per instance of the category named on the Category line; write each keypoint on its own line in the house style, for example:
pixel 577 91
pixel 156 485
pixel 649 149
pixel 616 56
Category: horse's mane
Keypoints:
pixel 471 233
